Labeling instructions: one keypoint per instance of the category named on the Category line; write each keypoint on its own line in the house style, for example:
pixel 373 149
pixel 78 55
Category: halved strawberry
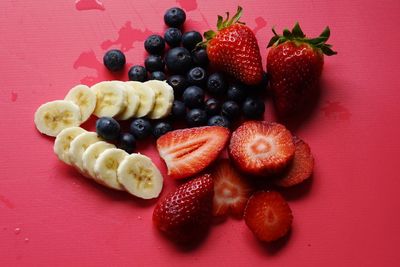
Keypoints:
pixel 260 147
pixel 268 216
pixel 301 167
pixel 189 151
pixel 231 191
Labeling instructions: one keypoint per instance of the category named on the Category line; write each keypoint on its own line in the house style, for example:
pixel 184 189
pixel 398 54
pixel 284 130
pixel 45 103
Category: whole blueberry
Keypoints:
pixel 200 57
pixel 127 142
pixel 154 63
pixel 236 92
pixel 108 128
pixel 174 17
pixel 212 106
pixel 178 83
pixel 173 37
pixel 161 128
pixel 193 97
pixel 140 128
pixel 197 76
pixel 216 84
pixel 230 109
pixel 154 44
pixel 178 109
pixel 178 60
pixel 196 117
pixel 158 75
pixel 191 39
pixel 219 120
pixel 253 108
pixel 137 73
pixel 114 60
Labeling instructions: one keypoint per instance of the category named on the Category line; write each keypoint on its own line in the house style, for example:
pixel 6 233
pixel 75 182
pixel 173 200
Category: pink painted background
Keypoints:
pixel 51 216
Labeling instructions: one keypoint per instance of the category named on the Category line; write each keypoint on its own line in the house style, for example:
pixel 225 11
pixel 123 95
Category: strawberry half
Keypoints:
pixel 268 216
pixel 189 151
pixel 185 214
pixel 261 148
pixel 234 49
pixel 301 167
pixel 231 191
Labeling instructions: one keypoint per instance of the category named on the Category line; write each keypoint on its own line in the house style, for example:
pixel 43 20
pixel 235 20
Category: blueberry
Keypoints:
pixel 197 76
pixel 262 86
pixel 178 60
pixel 191 39
pixel 158 75
pixel 154 63
pixel 193 97
pixel 230 109
pixel 196 117
pixel 140 128
pixel 173 37
pixel 253 108
pixel 178 109
pixel 216 84
pixel 127 142
pixel 137 73
pixel 108 128
pixel 161 128
pixel 236 92
pixel 114 60
pixel 178 83
pixel 154 44
pixel 218 120
pixel 200 57
pixel 213 106
pixel 174 17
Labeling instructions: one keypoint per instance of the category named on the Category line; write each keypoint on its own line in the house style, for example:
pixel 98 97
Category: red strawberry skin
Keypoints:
pixel 268 216
pixel 231 191
pixel 185 214
pixel 187 152
pixel 261 148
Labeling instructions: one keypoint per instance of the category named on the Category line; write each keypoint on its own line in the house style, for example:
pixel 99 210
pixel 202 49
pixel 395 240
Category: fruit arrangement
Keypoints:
pixel 214 86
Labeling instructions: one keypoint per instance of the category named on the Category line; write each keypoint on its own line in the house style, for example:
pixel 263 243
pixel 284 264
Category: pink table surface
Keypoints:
pixel 51 216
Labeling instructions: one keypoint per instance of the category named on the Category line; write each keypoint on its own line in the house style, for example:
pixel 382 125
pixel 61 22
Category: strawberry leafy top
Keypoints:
pixel 297 36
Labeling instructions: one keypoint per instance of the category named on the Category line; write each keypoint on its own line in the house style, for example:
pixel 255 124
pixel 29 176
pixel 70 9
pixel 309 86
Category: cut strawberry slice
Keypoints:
pixel 260 147
pixel 189 151
pixel 268 216
pixel 231 191
pixel 301 167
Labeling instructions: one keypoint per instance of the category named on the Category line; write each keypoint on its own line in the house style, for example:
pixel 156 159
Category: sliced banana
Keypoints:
pixel 164 99
pixel 110 97
pixel 85 98
pixel 53 117
pixel 91 154
pixel 147 98
pixel 78 147
pixel 131 103
pixel 63 142
pixel 106 167
pixel 140 177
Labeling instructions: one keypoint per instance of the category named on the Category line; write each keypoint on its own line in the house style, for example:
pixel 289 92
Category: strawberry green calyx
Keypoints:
pixel 297 36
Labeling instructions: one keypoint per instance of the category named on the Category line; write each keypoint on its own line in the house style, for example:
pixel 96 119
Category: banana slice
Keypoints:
pixel 140 177
pixel 91 154
pixel 106 167
pixel 110 97
pixel 164 99
pixel 78 147
pixel 85 98
pixel 147 98
pixel 53 117
pixel 63 142
pixel 131 103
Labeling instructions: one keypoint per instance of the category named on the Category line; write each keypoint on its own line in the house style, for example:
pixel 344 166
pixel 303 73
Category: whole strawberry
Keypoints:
pixel 234 49
pixel 294 64
pixel 185 214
